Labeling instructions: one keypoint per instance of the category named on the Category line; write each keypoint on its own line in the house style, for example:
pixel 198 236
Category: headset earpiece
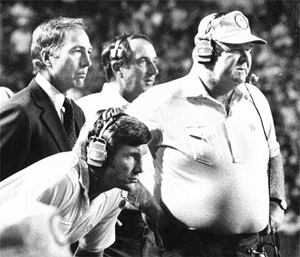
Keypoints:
pixel 117 49
pixel 115 65
pixel 205 46
pixel 96 152
pixel 204 50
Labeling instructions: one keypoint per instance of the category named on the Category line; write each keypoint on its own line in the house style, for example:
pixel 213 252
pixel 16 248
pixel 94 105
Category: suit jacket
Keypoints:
pixel 30 129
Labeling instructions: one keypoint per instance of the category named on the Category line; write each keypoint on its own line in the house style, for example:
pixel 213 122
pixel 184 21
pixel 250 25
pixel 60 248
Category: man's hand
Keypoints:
pixel 276 216
pixel 82 253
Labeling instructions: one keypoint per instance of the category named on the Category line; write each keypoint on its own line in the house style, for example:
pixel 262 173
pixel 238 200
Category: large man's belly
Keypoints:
pixel 229 199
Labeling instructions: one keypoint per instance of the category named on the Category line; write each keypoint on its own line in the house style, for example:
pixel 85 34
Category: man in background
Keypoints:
pixel 129 63
pixel 219 169
pixel 39 120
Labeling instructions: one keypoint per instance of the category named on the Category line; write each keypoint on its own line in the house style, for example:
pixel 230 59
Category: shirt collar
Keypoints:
pixel 109 90
pixel 56 97
pixel 84 177
pixel 194 86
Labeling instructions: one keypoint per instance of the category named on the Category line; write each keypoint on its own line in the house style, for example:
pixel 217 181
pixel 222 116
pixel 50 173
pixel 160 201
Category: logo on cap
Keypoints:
pixel 241 21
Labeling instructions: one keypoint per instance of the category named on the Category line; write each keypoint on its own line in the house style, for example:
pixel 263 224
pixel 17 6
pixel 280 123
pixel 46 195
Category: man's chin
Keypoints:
pixel 239 80
pixel 130 187
pixel 79 83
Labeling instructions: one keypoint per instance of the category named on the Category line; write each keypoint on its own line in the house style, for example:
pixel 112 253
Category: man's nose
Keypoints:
pixel 152 69
pixel 86 60
pixel 138 167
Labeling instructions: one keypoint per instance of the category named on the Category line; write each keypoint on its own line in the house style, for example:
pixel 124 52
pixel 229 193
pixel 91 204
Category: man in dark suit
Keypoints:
pixel 32 123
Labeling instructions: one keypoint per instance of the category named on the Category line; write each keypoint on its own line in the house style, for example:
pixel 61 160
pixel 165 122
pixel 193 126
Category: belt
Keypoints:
pixel 133 225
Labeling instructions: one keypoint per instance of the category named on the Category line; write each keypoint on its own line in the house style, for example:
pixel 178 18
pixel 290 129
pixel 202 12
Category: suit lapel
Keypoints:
pixel 48 116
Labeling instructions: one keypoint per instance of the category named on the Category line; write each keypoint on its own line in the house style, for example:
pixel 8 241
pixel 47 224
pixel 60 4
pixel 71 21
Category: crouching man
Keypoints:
pixel 89 185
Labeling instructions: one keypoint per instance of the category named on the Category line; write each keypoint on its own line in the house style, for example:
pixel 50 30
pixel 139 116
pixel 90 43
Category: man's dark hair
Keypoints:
pixel 119 129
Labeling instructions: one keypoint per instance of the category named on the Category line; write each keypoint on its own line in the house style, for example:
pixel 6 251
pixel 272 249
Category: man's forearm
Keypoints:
pixel 277 192
pixel 277 178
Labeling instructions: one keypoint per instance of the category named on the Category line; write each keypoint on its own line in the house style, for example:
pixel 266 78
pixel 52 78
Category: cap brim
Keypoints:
pixel 242 39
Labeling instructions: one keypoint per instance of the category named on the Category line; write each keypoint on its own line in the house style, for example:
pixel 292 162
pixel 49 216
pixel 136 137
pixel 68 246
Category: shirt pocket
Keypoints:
pixel 204 144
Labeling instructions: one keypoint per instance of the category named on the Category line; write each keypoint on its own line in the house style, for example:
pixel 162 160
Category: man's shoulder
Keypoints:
pixel 114 198
pixel 22 97
pixel 256 93
pixel 49 166
pixel 88 99
pixel 95 101
pixel 25 97
pixel 38 177
pixel 163 92
pixel 21 104
pixel 172 86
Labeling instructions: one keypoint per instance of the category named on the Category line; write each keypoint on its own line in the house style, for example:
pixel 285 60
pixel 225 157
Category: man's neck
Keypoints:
pixel 216 87
pixel 97 183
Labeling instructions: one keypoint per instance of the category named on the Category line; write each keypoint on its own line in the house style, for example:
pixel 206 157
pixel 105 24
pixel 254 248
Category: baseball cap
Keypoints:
pixel 231 28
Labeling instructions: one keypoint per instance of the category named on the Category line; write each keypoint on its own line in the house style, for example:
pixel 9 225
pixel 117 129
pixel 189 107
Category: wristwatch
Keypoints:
pixel 282 204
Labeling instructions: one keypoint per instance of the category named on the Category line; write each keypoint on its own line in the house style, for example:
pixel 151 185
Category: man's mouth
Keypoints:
pixel 148 81
pixel 81 75
pixel 241 69
pixel 133 180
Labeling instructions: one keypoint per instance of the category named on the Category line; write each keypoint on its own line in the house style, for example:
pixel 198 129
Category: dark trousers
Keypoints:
pixel 197 244
pixel 133 238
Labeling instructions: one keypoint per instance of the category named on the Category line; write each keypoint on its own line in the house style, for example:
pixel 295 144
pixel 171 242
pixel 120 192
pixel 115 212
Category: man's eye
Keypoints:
pixel 239 50
pixel 233 50
pixel 143 60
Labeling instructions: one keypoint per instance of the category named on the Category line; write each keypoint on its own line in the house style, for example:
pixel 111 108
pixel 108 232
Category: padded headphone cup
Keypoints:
pixel 117 51
pixel 96 152
pixel 116 66
pixel 204 50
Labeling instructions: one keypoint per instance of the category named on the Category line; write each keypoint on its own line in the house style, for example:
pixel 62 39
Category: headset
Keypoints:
pixel 205 46
pixel 96 149
pixel 117 50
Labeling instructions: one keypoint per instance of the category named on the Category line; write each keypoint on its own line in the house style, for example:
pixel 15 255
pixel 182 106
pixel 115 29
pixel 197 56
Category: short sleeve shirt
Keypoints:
pixel 65 186
pixel 204 155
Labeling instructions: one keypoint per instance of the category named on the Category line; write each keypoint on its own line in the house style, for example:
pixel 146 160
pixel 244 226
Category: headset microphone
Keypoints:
pixel 252 78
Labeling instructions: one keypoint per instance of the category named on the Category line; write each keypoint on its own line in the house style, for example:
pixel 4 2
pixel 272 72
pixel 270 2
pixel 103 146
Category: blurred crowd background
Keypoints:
pixel 172 25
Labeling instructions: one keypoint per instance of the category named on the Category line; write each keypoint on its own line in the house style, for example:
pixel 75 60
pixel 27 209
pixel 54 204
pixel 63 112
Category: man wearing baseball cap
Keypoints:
pixel 215 149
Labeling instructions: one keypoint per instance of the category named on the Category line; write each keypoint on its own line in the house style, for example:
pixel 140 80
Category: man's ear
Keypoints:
pixel 116 66
pixel 45 54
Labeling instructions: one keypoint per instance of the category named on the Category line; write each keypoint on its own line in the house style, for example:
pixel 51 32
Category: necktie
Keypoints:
pixel 69 122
